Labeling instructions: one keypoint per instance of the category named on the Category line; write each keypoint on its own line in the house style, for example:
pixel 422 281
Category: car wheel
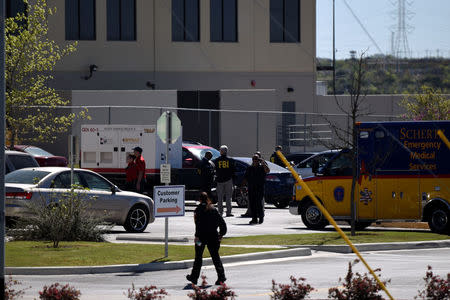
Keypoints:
pixel 241 196
pixel 360 225
pixel 312 217
pixel 282 203
pixel 137 219
pixel 439 221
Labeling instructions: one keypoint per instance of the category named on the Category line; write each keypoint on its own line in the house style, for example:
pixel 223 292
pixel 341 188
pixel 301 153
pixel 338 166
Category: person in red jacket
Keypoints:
pixel 131 173
pixel 140 164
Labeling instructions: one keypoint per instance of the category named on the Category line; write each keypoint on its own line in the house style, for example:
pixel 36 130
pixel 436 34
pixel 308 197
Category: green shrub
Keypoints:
pixel 63 217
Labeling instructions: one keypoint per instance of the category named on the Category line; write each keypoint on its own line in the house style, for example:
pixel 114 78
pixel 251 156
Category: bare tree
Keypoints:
pixel 347 136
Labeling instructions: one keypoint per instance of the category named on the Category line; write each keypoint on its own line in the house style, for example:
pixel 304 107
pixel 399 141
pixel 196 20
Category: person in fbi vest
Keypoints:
pixel 225 169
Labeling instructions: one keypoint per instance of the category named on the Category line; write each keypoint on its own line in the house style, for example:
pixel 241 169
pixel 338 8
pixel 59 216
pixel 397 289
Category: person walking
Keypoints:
pixel 255 176
pixel 207 220
pixel 131 173
pixel 274 157
pixel 206 171
pixel 225 169
pixel 140 165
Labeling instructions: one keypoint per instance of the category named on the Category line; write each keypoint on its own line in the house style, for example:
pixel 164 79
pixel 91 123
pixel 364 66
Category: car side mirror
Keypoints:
pixel 114 189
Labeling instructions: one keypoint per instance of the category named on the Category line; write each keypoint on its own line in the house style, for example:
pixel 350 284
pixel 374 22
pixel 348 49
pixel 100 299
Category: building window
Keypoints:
pixel 185 20
pixel 15 7
pixel 223 20
pixel 80 19
pixel 121 20
pixel 285 21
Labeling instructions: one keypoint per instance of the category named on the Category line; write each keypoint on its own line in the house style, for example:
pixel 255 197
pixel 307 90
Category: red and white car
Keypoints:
pixel 44 158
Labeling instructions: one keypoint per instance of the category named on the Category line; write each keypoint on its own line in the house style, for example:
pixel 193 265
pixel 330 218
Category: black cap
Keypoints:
pixel 138 149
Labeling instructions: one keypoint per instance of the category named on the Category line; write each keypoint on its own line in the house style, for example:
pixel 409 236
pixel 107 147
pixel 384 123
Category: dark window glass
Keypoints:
pixel 185 20
pixel 62 181
pixel 80 19
pixel 121 20
pixel 22 161
pixel 285 21
pixel 14 7
pixel 223 20
pixel 94 182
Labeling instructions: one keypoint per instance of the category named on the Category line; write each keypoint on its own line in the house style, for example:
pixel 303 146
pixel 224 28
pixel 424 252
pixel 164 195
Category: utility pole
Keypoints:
pixel 2 147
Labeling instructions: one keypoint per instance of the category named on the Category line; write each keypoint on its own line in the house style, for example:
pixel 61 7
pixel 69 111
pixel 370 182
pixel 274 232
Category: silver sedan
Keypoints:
pixel 132 210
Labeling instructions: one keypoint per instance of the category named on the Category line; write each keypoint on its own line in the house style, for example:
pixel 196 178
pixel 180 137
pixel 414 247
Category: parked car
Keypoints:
pixel 305 168
pixel 298 157
pixel 44 158
pixel 277 189
pixel 192 154
pixel 15 160
pixel 132 210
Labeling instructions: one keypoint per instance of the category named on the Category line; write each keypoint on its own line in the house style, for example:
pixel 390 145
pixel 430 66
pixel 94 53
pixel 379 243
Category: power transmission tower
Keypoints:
pixel 401 29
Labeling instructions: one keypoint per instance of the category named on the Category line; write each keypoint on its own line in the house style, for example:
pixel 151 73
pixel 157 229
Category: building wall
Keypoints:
pixel 154 49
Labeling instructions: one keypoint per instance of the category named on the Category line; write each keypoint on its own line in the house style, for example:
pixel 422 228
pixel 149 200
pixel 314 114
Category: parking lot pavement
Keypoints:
pixel 181 229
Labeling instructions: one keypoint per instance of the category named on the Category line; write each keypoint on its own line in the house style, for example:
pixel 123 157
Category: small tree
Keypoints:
pixel 297 290
pixel 64 217
pixel 436 288
pixel 428 104
pixel 57 291
pixel 347 136
pixel 357 286
pixel 146 293
pixel 223 292
pixel 30 105
pixel 11 291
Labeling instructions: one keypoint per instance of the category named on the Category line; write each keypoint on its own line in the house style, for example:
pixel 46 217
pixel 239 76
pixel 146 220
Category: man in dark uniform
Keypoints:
pixel 206 171
pixel 274 158
pixel 255 177
pixel 225 169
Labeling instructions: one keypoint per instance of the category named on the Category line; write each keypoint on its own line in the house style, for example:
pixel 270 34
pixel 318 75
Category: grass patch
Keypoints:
pixel 41 254
pixel 333 238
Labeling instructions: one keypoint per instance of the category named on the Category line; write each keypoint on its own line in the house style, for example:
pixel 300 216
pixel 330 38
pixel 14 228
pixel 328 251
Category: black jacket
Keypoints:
pixel 205 169
pixel 276 160
pixel 225 168
pixel 207 221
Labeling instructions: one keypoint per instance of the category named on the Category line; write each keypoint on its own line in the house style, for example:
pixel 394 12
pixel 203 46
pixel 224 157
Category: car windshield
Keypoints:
pixel 37 151
pixel 321 159
pixel 273 167
pixel 25 176
pixel 200 152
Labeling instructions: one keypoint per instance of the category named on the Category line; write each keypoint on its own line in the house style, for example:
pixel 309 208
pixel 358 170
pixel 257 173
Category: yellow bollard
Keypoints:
pixel 331 220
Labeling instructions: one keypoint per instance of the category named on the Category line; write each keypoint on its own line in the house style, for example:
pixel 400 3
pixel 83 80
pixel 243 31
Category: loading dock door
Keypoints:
pixel 200 126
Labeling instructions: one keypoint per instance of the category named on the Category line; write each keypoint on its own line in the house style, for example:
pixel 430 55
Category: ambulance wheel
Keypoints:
pixel 137 219
pixel 312 217
pixel 439 220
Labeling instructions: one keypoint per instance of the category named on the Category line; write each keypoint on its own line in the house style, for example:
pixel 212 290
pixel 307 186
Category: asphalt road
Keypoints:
pixel 276 221
pixel 252 280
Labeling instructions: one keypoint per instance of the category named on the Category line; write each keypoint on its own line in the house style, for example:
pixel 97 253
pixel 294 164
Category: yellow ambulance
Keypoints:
pixel 402 173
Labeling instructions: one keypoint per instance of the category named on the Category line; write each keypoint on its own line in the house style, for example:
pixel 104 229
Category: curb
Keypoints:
pixel 381 246
pixel 158 266
pixel 151 239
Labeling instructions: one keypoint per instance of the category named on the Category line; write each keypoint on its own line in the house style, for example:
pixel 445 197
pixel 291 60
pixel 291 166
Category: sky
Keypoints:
pixel 429 34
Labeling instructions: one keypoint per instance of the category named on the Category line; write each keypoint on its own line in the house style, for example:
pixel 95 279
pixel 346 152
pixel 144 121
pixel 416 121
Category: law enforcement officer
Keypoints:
pixel 206 171
pixel 274 158
pixel 225 169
